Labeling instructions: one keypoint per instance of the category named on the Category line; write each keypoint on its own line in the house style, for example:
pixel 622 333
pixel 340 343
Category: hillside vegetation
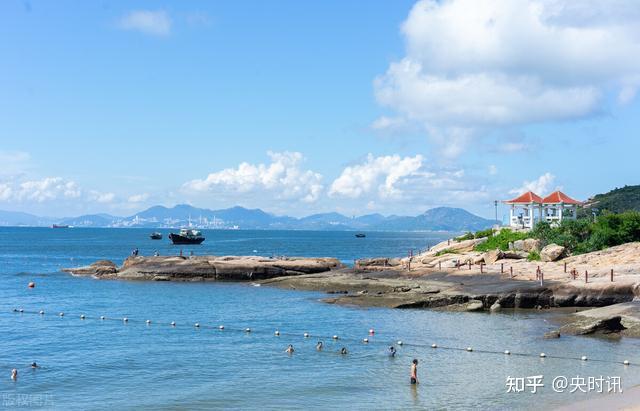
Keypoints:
pixel 577 236
pixel 618 200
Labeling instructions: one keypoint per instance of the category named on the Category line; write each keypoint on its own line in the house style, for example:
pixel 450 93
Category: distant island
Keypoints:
pixel 435 219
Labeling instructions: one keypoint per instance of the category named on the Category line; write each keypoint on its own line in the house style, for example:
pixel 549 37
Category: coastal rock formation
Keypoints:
pixel 206 268
pixel 492 256
pixel 551 252
pixel 528 245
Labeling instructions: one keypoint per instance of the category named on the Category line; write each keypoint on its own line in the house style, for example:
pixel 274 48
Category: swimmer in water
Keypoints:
pixel 34 365
pixel 414 372
pixel 14 374
pixel 289 349
pixel 319 346
pixel 343 351
pixel 392 351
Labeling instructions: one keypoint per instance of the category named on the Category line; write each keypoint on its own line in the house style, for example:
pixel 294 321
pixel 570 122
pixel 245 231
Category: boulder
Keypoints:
pixel 517 245
pixel 492 256
pixel 531 244
pixel 552 334
pixel 478 259
pixel 551 252
pixel 474 305
pixel 515 255
pixel 604 326
pixel 495 307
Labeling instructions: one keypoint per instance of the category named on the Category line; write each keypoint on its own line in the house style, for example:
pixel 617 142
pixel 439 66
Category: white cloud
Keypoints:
pixel 138 198
pixel 283 177
pixel 541 186
pixel 477 64
pixel 380 173
pixel 156 23
pixel 100 197
pixel 48 188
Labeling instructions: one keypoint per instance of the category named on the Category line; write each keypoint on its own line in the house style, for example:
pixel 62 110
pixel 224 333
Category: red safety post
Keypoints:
pixel 586 276
pixel 481 266
pixel 511 271
pixel 439 265
pixel 541 279
pixel 469 265
pixel 565 266
pixel 612 275
pixel 501 268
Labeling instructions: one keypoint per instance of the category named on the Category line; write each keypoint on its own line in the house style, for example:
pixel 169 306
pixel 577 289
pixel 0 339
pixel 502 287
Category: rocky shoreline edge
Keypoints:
pixel 389 283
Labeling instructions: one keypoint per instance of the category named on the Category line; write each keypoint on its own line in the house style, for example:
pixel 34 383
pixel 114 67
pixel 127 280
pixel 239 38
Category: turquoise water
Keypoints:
pixel 106 364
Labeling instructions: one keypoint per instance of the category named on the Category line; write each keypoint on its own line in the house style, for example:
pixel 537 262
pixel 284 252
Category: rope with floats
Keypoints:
pixel 335 337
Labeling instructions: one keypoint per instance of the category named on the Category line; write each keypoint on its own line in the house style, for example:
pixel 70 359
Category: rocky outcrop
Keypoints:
pixel 528 245
pixel 551 252
pixel 206 268
pixel 99 268
pixel 492 256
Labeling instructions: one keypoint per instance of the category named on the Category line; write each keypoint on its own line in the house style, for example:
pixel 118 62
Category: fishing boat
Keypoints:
pixel 360 235
pixel 59 226
pixel 187 236
pixel 156 236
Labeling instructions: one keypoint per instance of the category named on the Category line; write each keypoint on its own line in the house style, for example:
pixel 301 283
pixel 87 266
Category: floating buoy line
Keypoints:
pixel 335 337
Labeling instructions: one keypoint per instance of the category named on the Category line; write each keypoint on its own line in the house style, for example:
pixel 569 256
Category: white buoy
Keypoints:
pixel 221 327
pixel 82 316
pixel 306 335
pixel 583 358
pixel 335 337
pixel 102 317
pixel 400 343
pixel 277 333
pixel 434 345
pixel 148 322
pixel 626 362
pixel 507 352
pixel 173 323
pixel 372 331
pixel 469 349
pixel 366 340
pixel 247 330
pixel 197 325
pixel 41 312
pixel 125 319
pixel 542 355
pixel 61 314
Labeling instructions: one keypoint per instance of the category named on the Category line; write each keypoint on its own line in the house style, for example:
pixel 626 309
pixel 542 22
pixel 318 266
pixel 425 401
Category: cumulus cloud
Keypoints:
pixel 100 197
pixel 48 188
pixel 283 176
pixel 155 23
pixel 138 198
pixel 471 65
pixel 542 186
pixel 383 174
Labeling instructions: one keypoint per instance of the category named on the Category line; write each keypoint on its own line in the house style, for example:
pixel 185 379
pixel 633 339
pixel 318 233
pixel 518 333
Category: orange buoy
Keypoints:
pixel 32 284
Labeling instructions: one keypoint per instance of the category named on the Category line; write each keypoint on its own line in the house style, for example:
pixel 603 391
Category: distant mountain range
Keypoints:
pixel 436 219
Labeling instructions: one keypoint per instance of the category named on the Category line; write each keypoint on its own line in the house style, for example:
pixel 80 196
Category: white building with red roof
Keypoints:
pixel 529 208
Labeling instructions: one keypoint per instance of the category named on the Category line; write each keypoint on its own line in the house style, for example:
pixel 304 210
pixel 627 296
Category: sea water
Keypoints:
pixel 110 364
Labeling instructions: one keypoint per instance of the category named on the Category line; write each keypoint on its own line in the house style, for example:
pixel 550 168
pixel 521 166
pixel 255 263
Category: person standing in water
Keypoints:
pixel 414 372
pixel 319 346
pixel 14 374
pixel 289 349
pixel 392 351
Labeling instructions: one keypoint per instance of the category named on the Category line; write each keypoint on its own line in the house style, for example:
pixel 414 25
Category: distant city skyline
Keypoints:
pixel 299 108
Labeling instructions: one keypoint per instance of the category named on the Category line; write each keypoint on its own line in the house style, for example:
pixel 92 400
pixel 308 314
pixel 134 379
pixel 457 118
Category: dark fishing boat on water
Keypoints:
pixel 187 236
pixel 360 235
pixel 60 226
pixel 156 236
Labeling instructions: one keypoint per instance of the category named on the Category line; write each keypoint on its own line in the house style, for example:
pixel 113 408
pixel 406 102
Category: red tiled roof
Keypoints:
pixel 559 197
pixel 526 198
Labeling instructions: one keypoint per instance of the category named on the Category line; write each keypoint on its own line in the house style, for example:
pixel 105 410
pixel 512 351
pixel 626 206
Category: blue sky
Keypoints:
pixel 300 107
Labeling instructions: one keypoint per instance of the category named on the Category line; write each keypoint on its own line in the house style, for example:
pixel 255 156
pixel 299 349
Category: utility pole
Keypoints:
pixel 495 203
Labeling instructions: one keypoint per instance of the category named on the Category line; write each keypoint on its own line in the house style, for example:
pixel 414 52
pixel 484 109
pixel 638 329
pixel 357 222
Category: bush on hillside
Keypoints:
pixel 501 240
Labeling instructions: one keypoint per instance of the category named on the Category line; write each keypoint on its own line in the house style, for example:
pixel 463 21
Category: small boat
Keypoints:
pixel 156 236
pixel 59 226
pixel 360 235
pixel 187 236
